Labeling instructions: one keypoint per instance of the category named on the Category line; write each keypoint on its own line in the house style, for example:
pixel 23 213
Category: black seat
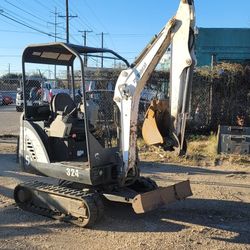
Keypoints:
pixel 63 103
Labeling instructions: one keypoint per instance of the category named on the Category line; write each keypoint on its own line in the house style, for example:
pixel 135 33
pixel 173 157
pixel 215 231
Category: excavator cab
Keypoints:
pixel 74 134
pixel 87 138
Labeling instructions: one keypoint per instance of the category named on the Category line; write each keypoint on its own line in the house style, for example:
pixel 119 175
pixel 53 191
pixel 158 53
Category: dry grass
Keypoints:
pixel 202 151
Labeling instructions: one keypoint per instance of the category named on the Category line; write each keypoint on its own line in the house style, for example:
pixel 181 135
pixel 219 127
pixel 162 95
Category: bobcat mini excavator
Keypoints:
pixel 89 145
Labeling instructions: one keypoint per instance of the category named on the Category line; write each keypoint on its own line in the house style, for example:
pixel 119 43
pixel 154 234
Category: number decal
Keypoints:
pixel 72 172
pixel 68 171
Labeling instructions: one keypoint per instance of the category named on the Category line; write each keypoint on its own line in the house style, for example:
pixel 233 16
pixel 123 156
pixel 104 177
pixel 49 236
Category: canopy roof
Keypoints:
pixel 62 53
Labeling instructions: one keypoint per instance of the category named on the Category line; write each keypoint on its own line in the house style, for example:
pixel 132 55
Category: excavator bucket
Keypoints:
pixel 149 201
pixel 156 123
pixel 150 132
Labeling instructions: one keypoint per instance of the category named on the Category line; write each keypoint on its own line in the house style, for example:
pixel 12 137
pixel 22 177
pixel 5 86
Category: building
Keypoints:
pixel 215 45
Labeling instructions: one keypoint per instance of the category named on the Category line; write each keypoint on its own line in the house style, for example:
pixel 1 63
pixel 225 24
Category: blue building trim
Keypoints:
pixel 222 44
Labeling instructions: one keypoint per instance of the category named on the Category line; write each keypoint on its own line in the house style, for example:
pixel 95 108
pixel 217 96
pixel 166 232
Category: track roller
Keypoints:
pixel 79 207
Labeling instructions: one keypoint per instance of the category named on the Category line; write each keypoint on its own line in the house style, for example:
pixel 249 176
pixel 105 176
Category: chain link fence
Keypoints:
pixel 8 90
pixel 219 96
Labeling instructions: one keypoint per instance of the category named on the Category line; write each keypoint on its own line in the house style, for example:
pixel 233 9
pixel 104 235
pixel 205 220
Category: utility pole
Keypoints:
pixel 102 44
pixel 55 13
pixel 55 38
pixel 67 16
pixel 9 69
pixel 55 22
pixel 84 35
pixel 67 21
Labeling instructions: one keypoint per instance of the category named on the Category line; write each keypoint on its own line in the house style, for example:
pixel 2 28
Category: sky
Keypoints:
pixel 127 25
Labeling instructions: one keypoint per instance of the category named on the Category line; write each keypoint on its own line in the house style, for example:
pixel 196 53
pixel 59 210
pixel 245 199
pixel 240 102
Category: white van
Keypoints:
pixel 19 100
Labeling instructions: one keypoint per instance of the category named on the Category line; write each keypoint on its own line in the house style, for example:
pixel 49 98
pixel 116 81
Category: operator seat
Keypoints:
pixel 66 131
pixel 63 104
pixel 64 116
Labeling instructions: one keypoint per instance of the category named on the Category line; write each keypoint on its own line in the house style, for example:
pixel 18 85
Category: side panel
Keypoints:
pixel 33 158
pixel 32 148
pixel 21 144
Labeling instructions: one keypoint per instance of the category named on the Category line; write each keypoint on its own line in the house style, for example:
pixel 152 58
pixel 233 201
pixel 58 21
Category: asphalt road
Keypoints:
pixel 9 120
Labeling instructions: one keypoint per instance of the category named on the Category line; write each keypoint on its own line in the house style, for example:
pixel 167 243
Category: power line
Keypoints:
pixel 18 31
pixel 25 11
pixel 27 26
pixel 3 19
pixel 34 14
pixel 41 4
pixel 34 10
pixel 100 22
pixel 73 38
pixel 21 18
pixel 84 23
pixel 59 4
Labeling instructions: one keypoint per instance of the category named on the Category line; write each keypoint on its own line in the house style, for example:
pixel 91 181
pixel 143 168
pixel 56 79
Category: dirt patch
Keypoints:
pixel 215 217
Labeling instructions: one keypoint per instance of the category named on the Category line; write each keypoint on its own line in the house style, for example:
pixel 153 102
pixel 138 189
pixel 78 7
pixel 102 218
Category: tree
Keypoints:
pixel 11 76
pixel 37 76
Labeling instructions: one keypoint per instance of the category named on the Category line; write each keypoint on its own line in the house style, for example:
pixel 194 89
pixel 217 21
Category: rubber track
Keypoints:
pixel 64 192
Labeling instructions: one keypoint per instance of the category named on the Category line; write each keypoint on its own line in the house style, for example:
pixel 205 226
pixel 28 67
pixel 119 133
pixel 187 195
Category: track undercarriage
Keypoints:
pixel 78 207
pixel 71 202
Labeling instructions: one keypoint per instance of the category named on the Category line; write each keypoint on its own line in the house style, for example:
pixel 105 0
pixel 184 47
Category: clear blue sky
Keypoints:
pixel 129 24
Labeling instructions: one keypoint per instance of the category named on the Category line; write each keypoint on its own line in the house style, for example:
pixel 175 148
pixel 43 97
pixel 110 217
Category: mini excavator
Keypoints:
pixel 89 144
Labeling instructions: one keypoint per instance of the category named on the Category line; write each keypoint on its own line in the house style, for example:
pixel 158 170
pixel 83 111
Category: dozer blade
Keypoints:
pixel 150 132
pixel 148 201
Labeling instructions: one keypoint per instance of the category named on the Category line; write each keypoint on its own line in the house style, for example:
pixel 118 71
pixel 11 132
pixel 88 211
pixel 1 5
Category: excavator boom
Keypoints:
pixel 178 32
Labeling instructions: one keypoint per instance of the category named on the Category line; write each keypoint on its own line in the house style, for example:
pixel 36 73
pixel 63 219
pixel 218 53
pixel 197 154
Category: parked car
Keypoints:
pixel 7 100
pixel 1 99
pixel 40 93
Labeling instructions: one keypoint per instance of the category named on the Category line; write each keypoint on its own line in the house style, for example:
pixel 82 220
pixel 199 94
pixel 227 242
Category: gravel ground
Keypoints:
pixel 217 216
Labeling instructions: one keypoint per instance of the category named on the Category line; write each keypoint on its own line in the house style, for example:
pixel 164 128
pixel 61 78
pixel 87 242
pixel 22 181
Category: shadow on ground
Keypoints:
pixel 225 215
pixel 230 216
pixel 213 214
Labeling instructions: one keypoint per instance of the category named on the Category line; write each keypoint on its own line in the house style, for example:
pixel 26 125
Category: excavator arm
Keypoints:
pixel 178 33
